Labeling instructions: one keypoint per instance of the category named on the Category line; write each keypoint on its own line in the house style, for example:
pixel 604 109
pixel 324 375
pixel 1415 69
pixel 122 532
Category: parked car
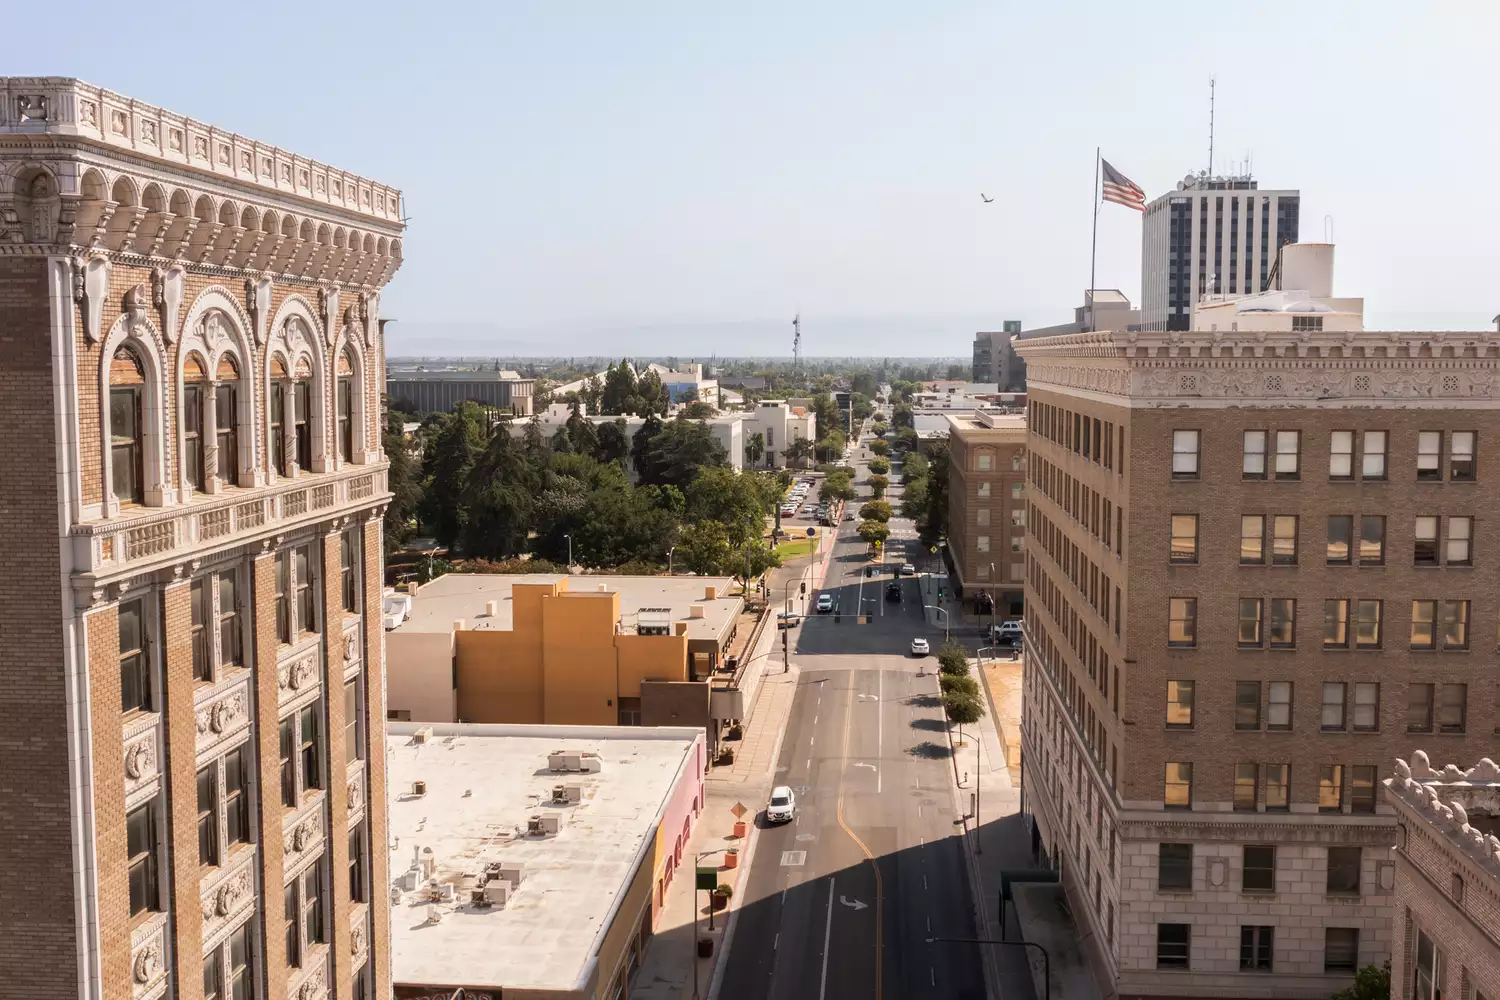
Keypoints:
pixel 893 591
pixel 783 805
pixel 919 647
pixel 825 603
pixel 1010 627
pixel 788 619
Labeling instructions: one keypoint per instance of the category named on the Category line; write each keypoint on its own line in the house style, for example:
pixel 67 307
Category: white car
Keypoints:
pixel 825 603
pixel 919 647
pixel 783 805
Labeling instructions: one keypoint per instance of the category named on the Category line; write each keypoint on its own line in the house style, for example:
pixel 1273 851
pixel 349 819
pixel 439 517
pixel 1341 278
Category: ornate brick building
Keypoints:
pixel 1447 880
pixel 1255 567
pixel 192 483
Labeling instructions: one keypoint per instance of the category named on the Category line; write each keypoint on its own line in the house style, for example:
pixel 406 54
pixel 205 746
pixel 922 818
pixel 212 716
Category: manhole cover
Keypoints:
pixel 793 859
pixel 804 837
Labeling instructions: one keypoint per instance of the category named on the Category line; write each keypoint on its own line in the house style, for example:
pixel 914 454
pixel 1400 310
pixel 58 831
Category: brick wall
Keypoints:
pixel 380 937
pixel 1467 931
pixel 38 935
pixel 271 814
pixel 181 769
pixel 111 849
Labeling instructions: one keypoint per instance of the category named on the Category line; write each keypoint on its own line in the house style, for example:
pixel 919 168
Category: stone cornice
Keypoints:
pixel 69 107
pixel 1419 793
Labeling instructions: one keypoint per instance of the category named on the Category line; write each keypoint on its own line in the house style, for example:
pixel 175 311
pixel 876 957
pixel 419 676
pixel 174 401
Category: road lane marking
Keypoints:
pixel 929 925
pixel 880 728
pixel 870 857
pixel 924 883
pixel 776 942
pixel 827 933
pixel 931 976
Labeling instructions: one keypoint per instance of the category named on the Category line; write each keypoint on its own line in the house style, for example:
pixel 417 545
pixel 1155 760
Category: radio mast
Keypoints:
pixel 797 342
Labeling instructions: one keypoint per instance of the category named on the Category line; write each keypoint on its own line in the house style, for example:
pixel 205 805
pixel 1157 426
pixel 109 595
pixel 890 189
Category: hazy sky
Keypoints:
pixel 684 176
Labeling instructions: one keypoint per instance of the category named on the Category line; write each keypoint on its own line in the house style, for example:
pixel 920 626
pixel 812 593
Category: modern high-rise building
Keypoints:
pixel 996 362
pixel 1211 236
pixel 1256 574
pixel 192 485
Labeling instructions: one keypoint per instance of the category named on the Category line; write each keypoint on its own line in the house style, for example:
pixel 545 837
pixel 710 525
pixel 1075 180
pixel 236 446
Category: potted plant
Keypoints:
pixel 736 731
pixel 721 895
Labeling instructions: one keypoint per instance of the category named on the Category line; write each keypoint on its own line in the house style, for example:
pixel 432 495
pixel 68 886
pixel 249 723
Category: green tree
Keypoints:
pixel 755 447
pixel 958 372
pixel 953 658
pixel 446 468
pixel 404 479
pixel 836 487
pixel 914 500
pixel 879 429
pixel 640 449
pixel 695 410
pixel 902 415
pixel 962 709
pixel 592 393
pixel 876 510
pixel 499 500
pixel 879 446
pixel 799 451
pixel 915 466
pixel 755 559
pixel 681 451
pixel 934 524
pixel 863 383
pixel 619 392
pixel 735 500
pixel 880 466
pixel 614 442
pixel 651 395
pixel 703 548
pixel 873 531
pixel 860 406
pixel 1373 982
pixel 582 438
pixel 825 413
pixel 830 446
pixel 878 484
pixel 949 682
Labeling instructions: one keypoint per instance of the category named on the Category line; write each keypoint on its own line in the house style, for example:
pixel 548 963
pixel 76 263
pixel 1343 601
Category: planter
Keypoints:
pixel 705 947
pixel 732 856
pixel 739 831
pixel 718 902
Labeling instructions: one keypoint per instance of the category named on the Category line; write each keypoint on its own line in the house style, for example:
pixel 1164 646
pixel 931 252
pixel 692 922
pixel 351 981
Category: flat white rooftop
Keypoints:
pixel 483 783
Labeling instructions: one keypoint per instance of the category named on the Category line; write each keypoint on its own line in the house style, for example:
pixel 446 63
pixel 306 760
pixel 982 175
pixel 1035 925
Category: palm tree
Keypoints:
pixel 755 448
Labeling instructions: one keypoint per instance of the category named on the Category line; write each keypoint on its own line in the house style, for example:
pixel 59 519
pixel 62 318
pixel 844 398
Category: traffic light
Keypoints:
pixel 804 586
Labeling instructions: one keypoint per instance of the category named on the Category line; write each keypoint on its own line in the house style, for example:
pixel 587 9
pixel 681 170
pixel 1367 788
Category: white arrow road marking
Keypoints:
pixel 860 763
pixel 869 697
pixel 853 904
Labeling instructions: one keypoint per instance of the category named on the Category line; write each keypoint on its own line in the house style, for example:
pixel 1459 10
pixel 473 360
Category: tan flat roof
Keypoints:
pixel 483 784
pixel 439 604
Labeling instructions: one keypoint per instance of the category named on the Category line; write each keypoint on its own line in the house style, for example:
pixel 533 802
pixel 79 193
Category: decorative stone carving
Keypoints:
pixel 31 108
pixel 314 986
pixel 357 939
pixel 147 965
pixel 90 288
pixel 41 226
pixel 294 676
pixel 140 760
pixel 222 715
pixel 328 306
pixel 118 122
pixel 173 283
pixel 354 790
pixel 88 113
pixel 232 894
pixel 137 308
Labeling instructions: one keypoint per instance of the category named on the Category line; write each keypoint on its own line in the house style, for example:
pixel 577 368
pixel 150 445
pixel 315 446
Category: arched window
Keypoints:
pixel 127 381
pixel 346 407
pixel 302 413
pixel 280 380
pixel 226 417
pixel 194 392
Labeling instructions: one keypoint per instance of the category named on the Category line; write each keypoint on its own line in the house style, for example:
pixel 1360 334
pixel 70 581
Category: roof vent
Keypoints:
pixel 695 611
pixel 491 609
pixel 419 788
pixel 422 735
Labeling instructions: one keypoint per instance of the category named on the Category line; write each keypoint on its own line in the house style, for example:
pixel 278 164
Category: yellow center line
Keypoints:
pixel 879 886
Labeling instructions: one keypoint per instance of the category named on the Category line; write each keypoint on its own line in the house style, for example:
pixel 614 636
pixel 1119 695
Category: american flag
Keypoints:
pixel 1121 189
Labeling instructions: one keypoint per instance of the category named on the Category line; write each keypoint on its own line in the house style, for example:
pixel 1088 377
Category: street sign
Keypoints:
pixel 739 810
pixel 707 880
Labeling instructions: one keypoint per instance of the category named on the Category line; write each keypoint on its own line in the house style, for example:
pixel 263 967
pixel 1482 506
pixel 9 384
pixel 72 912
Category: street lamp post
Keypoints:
pixel 1046 959
pixel 570 552
pixel 942 611
pixel 669 559
pixel 995 586
pixel 697 858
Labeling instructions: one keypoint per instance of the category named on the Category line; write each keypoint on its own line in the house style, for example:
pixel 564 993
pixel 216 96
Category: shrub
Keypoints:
pixel 958 684
pixel 953 658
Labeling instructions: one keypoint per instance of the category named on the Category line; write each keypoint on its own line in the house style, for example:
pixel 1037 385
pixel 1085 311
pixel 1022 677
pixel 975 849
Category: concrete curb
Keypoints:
pixel 746 862
pixel 976 883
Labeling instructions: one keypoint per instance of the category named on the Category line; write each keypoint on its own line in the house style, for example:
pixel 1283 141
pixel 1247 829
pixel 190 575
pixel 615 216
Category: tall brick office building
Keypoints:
pixel 191 486
pixel 1256 571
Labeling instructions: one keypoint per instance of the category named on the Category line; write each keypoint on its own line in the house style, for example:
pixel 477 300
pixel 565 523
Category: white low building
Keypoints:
pixel 1300 299
pixel 779 422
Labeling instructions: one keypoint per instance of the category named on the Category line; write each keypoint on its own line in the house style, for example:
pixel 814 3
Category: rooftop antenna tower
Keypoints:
pixel 1211 84
pixel 797 341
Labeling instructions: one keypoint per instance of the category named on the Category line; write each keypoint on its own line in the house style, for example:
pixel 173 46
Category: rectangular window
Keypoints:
pixel 1367 623
pixel 1332 719
pixel 1340 539
pixel 1247 704
pixel 1362 788
pixel 1184 538
pixel 313 930
pixel 1341 455
pixel 227 432
pixel 1336 624
pixel 1424 624
pixel 1174 868
pixel 349 570
pixel 213 974
pixel 982 543
pixel 345 425
pixel 1425 552
pixel 302 423
pixel 1343 870
pixel 192 436
pixel 1419 705
pixel 352 749
pixel 983 491
pixel 1259 871
pixel 1178 793
pixel 357 863
pixel 1455 624
pixel 1288 454
pixel 1179 704
pixel 1341 949
pixel 307 746
pixel 1283 622
pixel 1429 969
pixel 1366 707
pixel 1279 705
pixel 135 668
pixel 283 596
pixel 1246 786
pixel 1372 461
pixel 1183 621
pixel 1250 621
pixel 289 910
pixel 1331 788
pixel 1429 456
pixel 1173 946
pixel 1184 454
pixel 237 795
pixel 229 619
pixel 1460 539
pixel 1452 707
pixel 199 596
pixel 1252 540
pixel 1276 781
pixel 1307 324
pixel 241 968
pixel 1255 455
pixel 1257 948
pixel 1371 540
pixel 140 839
pixel 278 428
pixel 1284 540
pixel 302 567
pixel 208 816
pixel 289 761
pixel 1461 457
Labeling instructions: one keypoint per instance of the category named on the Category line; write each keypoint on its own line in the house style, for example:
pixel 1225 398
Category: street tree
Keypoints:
pixel 879 429
pixel 403 479
pixel 879 446
pixel 836 487
pixel 963 709
pixel 878 484
pixel 949 683
pixel 703 548
pixel 800 450
pixel 876 510
pixel 872 532
pixel 734 499
pixel 880 466
pixel 680 451
pixel 446 467
pixel 755 447
pixel 953 658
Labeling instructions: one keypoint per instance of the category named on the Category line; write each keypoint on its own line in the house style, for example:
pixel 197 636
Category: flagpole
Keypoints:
pixel 1094 249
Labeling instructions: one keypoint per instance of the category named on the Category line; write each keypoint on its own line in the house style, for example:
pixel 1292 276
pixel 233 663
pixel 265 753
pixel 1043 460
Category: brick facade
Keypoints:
pixel 987 507
pixel 169 259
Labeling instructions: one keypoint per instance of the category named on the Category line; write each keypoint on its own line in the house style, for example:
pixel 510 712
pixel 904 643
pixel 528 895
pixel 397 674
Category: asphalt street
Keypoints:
pixel 841 901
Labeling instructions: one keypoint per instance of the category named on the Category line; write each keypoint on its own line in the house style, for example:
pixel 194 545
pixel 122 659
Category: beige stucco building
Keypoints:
pixel 190 369
pixel 1253 573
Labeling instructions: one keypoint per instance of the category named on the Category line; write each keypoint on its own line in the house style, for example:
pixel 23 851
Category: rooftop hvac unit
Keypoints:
pixel 573 760
pixel 419 788
pixel 551 823
pixel 591 762
pixel 653 621
pixel 422 735
pixel 567 795
pixel 510 871
pixel 497 893
pixel 534 826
